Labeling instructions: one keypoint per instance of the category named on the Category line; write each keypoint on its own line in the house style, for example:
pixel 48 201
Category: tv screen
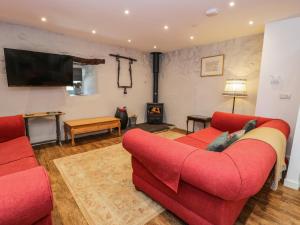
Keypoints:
pixel 26 68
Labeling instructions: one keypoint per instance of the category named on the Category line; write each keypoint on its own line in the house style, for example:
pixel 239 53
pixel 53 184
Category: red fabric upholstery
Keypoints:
pixel 233 122
pixel 25 197
pixel 190 200
pixel 279 125
pixel 206 135
pixel 192 142
pixel 17 166
pixel 213 187
pixel 11 127
pixel 137 142
pixel 25 194
pixel 15 149
pixel 44 221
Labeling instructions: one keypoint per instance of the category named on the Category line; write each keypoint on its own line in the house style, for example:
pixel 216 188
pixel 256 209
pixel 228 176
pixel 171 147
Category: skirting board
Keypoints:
pixel 291 184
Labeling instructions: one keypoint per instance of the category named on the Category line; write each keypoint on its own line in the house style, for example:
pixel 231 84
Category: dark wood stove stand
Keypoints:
pixel 155 113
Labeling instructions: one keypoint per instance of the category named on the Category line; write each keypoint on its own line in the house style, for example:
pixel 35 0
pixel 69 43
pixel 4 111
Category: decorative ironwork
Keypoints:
pixel 131 60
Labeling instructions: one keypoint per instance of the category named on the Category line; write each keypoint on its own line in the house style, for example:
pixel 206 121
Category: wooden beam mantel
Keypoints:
pixel 88 61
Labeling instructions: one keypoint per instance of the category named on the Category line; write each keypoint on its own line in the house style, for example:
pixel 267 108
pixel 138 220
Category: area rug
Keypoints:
pixel 101 184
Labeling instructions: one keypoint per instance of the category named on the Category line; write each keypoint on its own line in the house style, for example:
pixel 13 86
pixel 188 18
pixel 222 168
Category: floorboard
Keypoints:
pixel 267 207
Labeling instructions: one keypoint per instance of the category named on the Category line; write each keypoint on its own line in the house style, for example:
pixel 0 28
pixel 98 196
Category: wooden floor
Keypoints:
pixel 267 207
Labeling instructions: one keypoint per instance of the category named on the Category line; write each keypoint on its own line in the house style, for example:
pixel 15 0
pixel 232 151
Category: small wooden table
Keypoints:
pixel 83 126
pixel 197 118
pixel 44 115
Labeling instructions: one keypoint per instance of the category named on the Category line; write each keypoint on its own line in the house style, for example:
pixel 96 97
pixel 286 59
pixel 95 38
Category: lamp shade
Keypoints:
pixel 235 87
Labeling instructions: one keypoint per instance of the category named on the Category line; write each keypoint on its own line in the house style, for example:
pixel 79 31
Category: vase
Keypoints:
pixel 121 113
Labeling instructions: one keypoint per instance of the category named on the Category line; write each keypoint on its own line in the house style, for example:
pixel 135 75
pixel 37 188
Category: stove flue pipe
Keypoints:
pixel 155 61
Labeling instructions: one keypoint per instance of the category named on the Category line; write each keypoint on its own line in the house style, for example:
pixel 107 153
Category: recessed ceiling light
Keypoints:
pixel 43 19
pixel 251 22
pixel 126 12
pixel 129 40
pixel 93 31
pixel 192 37
pixel 212 12
pixel 231 4
pixel 154 46
pixel 166 27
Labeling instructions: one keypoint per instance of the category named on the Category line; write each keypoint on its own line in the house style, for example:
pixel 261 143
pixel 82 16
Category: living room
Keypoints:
pixel 177 112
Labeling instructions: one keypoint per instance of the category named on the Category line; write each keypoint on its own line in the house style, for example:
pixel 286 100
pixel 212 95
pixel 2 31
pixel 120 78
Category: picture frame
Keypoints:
pixel 212 66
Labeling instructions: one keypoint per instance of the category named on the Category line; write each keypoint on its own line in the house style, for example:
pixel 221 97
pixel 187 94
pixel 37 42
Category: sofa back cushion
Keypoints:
pixel 11 127
pixel 234 122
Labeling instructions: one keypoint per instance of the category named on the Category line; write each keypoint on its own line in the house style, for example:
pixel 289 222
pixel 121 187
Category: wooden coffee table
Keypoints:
pixel 84 126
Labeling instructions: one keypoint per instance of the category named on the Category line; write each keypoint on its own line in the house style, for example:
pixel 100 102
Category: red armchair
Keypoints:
pixel 25 192
pixel 199 186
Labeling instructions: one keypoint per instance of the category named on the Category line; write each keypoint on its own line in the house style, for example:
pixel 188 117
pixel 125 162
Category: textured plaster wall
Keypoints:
pixel 184 92
pixel 18 100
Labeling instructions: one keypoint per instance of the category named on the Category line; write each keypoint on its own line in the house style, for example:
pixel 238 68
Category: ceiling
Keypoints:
pixel 144 25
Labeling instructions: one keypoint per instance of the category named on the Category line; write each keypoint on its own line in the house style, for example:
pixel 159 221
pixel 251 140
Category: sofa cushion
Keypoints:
pixel 192 142
pixel 15 149
pixel 11 127
pixel 250 125
pixel 18 165
pixel 234 122
pixel 220 143
pixel 206 135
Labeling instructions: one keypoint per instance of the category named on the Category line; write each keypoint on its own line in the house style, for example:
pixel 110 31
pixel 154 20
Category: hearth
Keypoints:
pixel 155 110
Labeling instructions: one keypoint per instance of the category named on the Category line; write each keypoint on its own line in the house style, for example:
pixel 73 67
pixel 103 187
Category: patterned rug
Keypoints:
pixel 101 184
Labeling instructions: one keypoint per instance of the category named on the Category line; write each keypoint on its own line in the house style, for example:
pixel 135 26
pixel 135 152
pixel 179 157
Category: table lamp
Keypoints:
pixel 235 88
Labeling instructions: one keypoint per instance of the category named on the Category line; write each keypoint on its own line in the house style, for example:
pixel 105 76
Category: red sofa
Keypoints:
pixel 25 192
pixel 200 186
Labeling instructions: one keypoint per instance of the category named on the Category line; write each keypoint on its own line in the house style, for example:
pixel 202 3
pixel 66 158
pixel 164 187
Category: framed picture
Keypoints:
pixel 212 66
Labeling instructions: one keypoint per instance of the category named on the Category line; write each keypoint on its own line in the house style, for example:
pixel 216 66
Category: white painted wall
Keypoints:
pixel 292 179
pixel 280 72
pixel 184 92
pixel 18 100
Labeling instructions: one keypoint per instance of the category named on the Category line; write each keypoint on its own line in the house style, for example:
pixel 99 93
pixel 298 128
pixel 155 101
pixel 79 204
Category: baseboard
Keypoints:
pixel 291 184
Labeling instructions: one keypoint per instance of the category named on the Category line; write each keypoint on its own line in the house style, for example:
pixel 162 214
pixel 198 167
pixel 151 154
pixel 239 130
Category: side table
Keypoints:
pixel 43 115
pixel 196 118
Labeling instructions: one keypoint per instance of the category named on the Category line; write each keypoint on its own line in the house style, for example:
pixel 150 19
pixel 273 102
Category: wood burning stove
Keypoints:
pixel 155 110
pixel 155 113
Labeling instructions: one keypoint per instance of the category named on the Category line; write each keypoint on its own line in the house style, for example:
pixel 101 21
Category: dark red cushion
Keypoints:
pixel 192 142
pixel 15 149
pixel 234 122
pixel 11 127
pixel 279 125
pixel 17 166
pixel 206 135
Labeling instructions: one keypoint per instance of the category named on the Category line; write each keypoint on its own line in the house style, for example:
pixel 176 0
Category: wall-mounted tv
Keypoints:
pixel 27 68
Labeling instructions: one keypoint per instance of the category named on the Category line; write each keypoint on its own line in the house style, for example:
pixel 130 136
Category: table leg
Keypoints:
pixel 204 125
pixel 187 126
pixel 193 126
pixel 72 138
pixel 66 133
pixel 27 127
pixel 58 133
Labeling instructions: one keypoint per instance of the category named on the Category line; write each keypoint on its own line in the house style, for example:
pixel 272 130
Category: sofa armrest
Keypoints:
pixel 25 197
pixel 237 173
pixel 161 156
pixel 11 127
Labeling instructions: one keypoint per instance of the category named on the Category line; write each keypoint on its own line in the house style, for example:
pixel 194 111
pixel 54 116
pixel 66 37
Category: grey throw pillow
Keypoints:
pixel 250 125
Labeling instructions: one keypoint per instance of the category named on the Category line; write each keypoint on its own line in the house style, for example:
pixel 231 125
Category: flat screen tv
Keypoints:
pixel 27 68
